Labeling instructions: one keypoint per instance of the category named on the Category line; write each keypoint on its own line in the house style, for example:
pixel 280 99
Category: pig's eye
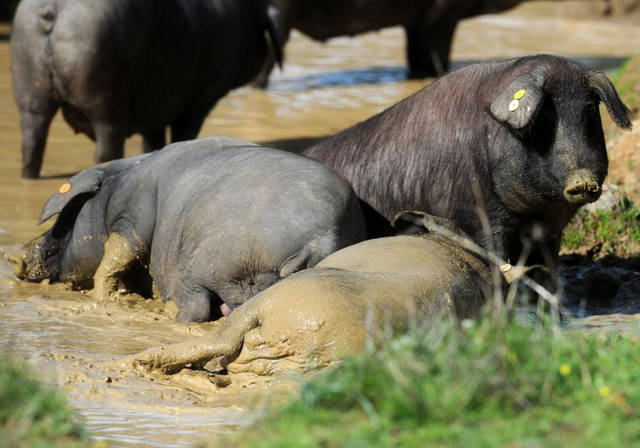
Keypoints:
pixel 592 108
pixel 540 133
pixel 50 253
pixel 593 101
pixel 546 119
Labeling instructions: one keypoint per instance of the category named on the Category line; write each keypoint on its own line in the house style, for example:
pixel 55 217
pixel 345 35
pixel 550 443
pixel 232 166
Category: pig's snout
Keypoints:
pixel 17 263
pixel 582 188
pixel 28 263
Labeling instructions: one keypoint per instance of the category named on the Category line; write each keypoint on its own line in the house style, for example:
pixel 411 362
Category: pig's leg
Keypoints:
pixel 224 343
pixel 188 124
pixel 110 139
pixel 34 93
pixel 153 140
pixel 35 127
pixel 194 303
pixel 428 48
pixel 262 80
pixel 119 254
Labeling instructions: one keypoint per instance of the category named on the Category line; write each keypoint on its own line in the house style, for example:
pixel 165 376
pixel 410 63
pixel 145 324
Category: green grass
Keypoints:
pixel 626 81
pixel 617 231
pixel 33 414
pixel 493 384
pixel 620 72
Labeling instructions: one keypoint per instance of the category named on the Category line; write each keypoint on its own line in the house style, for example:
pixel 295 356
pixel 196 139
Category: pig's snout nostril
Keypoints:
pixel 573 190
pixel 582 192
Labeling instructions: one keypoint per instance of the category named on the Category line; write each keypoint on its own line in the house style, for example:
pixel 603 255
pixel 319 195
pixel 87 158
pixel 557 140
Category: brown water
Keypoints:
pixel 66 335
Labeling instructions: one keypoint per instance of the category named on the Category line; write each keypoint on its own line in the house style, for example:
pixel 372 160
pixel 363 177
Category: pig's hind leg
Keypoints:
pixel 197 293
pixel 195 302
pixel 35 127
pixel 224 343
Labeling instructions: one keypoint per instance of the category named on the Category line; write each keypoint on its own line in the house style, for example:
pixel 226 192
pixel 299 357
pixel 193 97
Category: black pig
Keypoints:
pixel 520 141
pixel 118 67
pixel 216 221
pixel 429 25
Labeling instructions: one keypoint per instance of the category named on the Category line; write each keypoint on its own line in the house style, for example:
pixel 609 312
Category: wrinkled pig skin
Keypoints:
pixel 119 67
pixel 214 221
pixel 320 315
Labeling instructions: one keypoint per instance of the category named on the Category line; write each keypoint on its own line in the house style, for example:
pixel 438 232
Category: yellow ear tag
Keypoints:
pixel 519 94
pixel 64 188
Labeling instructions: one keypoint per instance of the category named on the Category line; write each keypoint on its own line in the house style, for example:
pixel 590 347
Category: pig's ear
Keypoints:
pixel 600 85
pixel 73 194
pixel 518 104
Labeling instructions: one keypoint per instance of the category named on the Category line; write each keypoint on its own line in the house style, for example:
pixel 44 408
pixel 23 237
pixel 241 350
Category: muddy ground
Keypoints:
pixel 68 336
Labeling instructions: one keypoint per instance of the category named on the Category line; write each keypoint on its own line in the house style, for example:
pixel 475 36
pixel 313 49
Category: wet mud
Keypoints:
pixel 72 338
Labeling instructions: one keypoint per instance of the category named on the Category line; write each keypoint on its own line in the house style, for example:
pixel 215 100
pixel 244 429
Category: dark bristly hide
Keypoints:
pixel 519 142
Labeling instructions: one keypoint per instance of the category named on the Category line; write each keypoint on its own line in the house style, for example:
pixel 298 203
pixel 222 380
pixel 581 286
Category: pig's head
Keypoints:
pixel 548 152
pixel 42 258
pixel 37 260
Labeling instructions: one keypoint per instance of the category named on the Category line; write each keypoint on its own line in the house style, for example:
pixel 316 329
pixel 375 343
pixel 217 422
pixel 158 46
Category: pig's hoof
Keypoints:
pixel 101 295
pixel 104 290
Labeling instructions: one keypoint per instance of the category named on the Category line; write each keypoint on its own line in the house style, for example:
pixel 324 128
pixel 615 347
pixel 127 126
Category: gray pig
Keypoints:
pixel 216 221
pixel 118 67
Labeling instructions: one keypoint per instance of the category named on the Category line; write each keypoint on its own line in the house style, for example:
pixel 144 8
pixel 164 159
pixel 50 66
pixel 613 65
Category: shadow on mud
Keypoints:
pixel 387 75
pixel 610 285
pixel 295 145
pixel 59 176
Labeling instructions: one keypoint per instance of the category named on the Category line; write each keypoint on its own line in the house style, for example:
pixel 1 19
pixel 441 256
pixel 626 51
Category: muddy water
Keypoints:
pixel 66 335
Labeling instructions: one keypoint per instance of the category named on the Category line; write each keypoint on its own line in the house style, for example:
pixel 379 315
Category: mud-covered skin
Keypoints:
pixel 215 220
pixel 464 146
pixel 320 315
pixel 429 24
pixel 118 67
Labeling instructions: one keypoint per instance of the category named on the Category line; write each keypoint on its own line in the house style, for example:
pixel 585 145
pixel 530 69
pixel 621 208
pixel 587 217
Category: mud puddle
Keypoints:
pixel 76 342
pixel 67 336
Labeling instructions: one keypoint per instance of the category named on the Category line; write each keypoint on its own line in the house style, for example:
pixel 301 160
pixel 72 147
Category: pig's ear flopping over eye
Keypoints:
pixel 600 85
pixel 75 191
pixel 518 104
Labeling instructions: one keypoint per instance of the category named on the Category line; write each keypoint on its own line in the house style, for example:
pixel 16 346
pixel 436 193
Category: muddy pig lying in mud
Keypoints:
pixel 520 141
pixel 216 221
pixel 118 67
pixel 320 315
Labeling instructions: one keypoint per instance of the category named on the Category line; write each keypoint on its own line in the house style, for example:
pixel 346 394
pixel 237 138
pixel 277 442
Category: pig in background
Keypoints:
pixel 429 25
pixel 119 67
